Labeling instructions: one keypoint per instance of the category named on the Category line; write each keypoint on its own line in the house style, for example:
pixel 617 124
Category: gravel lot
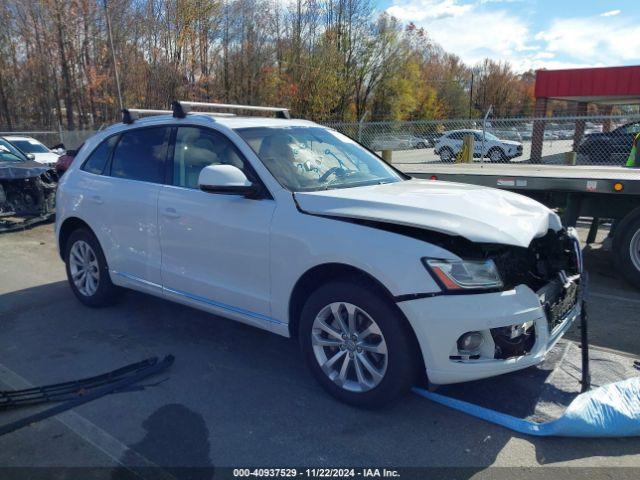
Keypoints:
pixel 238 396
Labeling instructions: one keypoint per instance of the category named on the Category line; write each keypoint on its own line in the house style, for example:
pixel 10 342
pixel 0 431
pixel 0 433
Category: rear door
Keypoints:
pixel 136 172
pixel 215 247
pixel 456 141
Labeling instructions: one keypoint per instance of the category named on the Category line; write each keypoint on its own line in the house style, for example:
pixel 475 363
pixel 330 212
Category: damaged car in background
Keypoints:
pixel 295 228
pixel 27 189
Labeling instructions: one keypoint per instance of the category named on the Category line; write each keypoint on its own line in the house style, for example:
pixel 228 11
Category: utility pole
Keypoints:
pixel 471 95
pixel 113 54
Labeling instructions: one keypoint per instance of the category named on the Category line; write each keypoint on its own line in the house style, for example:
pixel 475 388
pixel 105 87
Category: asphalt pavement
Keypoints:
pixel 239 397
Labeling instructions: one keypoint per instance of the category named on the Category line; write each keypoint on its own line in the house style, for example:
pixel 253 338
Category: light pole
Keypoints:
pixel 113 54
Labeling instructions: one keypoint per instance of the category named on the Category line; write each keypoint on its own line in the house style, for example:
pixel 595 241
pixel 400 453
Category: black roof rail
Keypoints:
pixel 179 110
pixel 128 117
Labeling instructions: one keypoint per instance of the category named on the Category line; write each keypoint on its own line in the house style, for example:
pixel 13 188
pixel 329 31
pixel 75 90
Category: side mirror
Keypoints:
pixel 31 156
pixel 225 179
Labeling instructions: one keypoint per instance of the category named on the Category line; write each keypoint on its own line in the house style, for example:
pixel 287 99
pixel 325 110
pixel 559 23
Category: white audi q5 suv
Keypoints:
pixel 295 228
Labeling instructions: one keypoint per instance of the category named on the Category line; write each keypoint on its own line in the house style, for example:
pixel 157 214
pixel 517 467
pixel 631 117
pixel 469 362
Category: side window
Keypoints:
pixel 140 155
pixel 100 156
pixel 456 136
pixel 478 137
pixel 197 148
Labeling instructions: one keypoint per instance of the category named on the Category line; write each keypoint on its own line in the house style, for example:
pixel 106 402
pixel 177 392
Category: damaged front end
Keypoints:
pixel 551 266
pixel 27 194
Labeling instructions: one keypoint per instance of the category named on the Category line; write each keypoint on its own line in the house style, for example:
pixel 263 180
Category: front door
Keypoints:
pixel 215 247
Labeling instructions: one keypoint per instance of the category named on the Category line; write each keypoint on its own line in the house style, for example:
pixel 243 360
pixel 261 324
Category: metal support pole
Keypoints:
pixel 113 54
pixel 572 212
pixel 484 127
pixel 471 95
pixel 537 135
pixel 584 345
pixel 593 231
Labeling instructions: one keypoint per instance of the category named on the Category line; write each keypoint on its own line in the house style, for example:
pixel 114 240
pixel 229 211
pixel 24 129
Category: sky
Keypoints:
pixel 530 34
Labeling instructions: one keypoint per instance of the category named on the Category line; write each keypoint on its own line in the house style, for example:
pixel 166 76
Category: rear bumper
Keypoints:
pixel 439 321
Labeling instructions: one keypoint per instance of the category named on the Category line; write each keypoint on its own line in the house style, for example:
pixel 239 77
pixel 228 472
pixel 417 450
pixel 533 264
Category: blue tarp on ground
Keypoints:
pixel 609 411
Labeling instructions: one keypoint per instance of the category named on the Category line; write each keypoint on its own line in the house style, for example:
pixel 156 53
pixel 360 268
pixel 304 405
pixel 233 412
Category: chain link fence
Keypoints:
pixel 580 140
pixel 71 139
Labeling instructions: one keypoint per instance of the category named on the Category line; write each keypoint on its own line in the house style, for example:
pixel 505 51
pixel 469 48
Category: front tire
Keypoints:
pixel 357 344
pixel 87 270
pixel 496 155
pixel 446 154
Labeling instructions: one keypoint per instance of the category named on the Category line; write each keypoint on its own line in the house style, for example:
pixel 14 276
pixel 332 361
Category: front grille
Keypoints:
pixel 540 263
pixel 558 300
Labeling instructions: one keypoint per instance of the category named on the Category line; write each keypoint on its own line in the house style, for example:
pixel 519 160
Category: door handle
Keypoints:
pixel 96 199
pixel 170 212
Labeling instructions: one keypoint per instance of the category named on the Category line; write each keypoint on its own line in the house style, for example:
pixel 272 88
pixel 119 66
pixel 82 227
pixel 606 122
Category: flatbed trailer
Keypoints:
pixel 597 192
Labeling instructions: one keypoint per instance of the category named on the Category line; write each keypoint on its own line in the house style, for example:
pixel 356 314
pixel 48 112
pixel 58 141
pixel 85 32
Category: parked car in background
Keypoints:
pixel 424 140
pixel 34 149
pixel 420 142
pixel 507 134
pixel 388 141
pixel 609 147
pixel 27 189
pixel 65 160
pixel 497 150
pixel 10 153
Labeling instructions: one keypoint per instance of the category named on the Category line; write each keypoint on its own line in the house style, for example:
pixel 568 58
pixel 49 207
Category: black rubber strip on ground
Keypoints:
pixel 154 367
pixel 60 392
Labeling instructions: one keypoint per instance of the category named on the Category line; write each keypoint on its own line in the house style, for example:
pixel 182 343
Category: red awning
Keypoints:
pixel 596 85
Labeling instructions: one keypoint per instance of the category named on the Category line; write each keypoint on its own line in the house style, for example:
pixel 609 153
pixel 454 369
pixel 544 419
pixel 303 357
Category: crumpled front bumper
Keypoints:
pixel 440 320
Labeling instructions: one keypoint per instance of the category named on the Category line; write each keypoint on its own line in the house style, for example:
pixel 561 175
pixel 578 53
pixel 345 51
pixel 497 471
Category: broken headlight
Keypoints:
pixel 464 274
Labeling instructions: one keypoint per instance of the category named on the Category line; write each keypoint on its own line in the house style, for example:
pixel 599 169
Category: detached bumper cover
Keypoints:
pixel 439 321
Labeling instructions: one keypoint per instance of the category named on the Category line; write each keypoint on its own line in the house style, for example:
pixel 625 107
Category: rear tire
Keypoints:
pixel 87 270
pixel 626 248
pixel 357 344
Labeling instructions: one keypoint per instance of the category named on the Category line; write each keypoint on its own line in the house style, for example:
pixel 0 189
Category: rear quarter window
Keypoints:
pixel 141 155
pixel 98 159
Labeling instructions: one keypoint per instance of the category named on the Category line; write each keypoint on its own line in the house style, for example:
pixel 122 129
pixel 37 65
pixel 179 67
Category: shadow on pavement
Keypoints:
pixel 241 396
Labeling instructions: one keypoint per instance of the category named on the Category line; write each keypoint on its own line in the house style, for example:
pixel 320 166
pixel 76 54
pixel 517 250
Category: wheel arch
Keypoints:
pixel 319 274
pixel 69 225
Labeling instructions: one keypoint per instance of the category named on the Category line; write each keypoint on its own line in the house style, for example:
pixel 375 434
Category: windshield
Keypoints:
pixel 316 158
pixel 30 146
pixel 9 153
pixel 490 136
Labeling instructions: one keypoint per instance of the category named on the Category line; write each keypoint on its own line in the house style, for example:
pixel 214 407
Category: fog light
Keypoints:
pixel 469 342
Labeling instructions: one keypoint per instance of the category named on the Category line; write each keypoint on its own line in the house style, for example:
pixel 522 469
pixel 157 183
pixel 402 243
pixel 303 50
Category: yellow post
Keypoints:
pixel 466 154
pixel 570 158
pixel 386 156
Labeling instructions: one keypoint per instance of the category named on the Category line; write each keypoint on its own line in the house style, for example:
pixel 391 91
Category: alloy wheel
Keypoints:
pixel 446 155
pixel 349 347
pixel 83 265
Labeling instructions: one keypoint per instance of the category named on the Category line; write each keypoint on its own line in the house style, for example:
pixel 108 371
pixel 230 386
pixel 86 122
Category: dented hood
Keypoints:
pixel 478 214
